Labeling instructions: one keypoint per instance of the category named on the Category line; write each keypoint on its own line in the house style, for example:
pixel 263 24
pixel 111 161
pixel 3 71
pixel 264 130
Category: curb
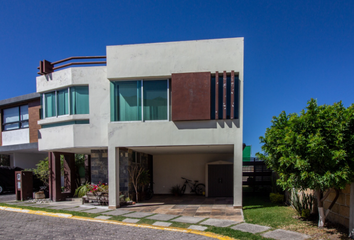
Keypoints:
pixel 70 216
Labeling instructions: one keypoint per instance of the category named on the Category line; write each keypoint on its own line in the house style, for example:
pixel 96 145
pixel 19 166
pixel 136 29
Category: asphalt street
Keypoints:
pixel 15 225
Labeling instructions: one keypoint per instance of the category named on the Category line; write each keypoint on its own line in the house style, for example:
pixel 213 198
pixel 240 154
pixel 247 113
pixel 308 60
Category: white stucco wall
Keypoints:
pixel 93 135
pixel 162 59
pixel 14 137
pixel 168 133
pixel 27 160
pixel 168 169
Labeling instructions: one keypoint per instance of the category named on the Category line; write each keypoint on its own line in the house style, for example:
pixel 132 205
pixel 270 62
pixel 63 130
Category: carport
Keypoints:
pixel 211 165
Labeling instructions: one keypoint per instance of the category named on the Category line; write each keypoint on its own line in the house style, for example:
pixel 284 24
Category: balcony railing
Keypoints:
pixel 46 67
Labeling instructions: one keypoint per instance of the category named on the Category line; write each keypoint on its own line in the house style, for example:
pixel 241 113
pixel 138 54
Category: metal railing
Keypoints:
pixel 46 67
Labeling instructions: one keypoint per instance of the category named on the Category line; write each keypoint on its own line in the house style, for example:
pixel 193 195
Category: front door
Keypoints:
pixel 220 180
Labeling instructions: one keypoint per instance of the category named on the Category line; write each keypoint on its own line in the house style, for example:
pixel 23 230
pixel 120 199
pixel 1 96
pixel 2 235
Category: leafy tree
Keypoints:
pixel 313 149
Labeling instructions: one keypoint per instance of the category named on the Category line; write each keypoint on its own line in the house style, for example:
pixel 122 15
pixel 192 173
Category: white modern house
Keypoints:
pixel 174 107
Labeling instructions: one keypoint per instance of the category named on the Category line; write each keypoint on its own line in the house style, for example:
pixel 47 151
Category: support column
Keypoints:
pixel 113 177
pixel 54 176
pixel 55 192
pixel 69 173
pixel 238 174
pixel 88 168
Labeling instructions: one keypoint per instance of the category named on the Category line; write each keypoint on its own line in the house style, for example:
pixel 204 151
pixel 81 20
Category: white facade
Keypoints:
pixel 20 136
pixel 78 138
pixel 197 142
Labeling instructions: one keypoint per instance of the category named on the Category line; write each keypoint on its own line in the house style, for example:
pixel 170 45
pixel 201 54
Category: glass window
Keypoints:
pixel 24 116
pixel 62 102
pixel 15 118
pixel 11 115
pixel 79 97
pixel 49 101
pixel 58 103
pixel 155 100
pixel 127 98
pixel 127 101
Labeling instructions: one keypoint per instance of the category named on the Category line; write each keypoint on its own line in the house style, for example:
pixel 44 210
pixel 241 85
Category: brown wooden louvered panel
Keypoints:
pixel 190 96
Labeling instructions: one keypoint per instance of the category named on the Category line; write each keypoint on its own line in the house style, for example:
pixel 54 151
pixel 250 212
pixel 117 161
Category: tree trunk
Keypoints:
pixel 321 215
pixel 136 195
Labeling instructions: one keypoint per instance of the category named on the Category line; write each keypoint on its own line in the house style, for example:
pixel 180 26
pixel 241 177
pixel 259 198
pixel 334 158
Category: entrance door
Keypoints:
pixel 220 180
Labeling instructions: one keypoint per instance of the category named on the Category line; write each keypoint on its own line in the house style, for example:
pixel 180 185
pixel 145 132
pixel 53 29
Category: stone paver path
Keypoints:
pixel 162 224
pixel 97 210
pixel 218 222
pixel 196 214
pixel 162 217
pixel 251 228
pixel 186 219
pixel 138 215
pixel 285 235
pixel 116 212
pixel 131 220
pixel 77 209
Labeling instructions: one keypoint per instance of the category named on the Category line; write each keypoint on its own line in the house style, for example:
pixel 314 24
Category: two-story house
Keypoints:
pixel 174 107
pixel 19 131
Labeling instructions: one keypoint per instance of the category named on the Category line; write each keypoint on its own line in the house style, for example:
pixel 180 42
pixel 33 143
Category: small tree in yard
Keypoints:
pixel 313 149
pixel 135 172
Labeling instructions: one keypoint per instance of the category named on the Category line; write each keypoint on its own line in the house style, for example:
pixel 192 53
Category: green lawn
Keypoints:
pixel 257 209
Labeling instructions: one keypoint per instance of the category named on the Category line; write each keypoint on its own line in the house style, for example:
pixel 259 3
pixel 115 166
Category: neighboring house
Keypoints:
pixel 175 108
pixel 19 131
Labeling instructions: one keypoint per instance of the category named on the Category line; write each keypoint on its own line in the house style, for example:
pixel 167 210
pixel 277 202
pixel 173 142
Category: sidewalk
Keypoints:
pixel 132 215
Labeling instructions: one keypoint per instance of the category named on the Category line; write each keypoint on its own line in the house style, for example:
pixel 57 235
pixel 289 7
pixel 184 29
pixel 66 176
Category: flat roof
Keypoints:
pixel 19 99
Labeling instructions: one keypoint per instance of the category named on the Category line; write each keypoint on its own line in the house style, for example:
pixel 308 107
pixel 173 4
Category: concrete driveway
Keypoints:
pixel 6 197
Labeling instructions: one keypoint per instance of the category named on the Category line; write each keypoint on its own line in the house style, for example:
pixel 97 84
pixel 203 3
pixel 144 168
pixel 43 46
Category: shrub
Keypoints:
pixel 303 205
pixel 176 190
pixel 276 198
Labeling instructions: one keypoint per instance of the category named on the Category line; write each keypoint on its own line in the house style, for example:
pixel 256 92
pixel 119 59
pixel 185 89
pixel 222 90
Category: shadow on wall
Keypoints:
pixel 207 124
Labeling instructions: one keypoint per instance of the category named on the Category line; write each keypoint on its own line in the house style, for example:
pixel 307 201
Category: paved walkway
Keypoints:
pixel 192 206
pixel 131 215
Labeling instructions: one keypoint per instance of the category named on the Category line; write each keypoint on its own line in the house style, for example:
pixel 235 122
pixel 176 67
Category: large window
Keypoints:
pixel 128 97
pixel 15 118
pixel 73 100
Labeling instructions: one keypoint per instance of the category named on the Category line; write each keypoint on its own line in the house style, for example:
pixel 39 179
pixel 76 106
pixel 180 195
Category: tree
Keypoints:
pixel 135 172
pixel 313 149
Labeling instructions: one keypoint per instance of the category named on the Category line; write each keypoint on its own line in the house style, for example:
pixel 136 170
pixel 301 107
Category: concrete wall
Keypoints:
pixel 167 133
pixel 27 160
pixel 93 135
pixel 168 169
pixel 341 209
pixel 14 137
pixel 162 59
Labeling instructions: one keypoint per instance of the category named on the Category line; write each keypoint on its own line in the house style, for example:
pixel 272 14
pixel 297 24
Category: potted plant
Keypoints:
pixel 176 190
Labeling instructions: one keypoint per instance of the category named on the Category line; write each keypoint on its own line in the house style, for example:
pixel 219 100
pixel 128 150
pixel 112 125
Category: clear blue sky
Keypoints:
pixel 294 50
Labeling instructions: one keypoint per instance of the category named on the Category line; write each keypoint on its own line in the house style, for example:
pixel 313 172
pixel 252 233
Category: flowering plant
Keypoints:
pixel 100 187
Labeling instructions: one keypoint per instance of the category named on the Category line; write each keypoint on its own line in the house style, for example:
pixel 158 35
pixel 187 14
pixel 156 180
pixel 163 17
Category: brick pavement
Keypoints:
pixel 15 225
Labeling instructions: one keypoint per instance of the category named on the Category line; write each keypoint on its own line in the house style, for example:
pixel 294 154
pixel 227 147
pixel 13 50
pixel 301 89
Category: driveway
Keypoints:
pixel 7 197
pixel 191 206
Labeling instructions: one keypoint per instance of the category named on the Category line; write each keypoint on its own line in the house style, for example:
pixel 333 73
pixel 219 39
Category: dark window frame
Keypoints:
pixel 20 122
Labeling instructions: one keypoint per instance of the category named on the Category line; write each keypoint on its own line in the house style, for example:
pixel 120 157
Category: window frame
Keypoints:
pixel 56 102
pixel 142 100
pixel 20 122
